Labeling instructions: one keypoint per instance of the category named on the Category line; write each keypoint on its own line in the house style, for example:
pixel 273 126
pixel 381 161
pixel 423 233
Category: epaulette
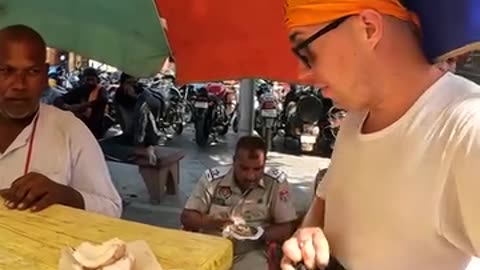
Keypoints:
pixel 216 173
pixel 276 174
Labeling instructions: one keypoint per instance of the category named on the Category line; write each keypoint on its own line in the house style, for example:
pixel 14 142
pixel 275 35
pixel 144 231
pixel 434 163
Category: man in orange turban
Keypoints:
pixel 402 188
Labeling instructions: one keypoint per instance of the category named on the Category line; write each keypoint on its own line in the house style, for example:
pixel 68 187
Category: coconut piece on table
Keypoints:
pixel 96 256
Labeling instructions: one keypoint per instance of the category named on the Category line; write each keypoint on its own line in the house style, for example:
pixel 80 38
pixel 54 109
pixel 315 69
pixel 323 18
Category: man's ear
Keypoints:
pixel 372 23
pixel 46 67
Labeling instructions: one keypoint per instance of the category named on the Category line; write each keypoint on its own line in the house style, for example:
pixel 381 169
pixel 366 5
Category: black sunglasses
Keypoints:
pixel 304 44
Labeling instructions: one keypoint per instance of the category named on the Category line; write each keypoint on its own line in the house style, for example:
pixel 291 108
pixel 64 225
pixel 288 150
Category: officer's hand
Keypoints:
pixel 308 245
pixel 215 223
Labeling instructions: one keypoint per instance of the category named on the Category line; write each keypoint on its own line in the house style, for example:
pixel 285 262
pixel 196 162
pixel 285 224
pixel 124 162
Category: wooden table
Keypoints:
pixel 33 241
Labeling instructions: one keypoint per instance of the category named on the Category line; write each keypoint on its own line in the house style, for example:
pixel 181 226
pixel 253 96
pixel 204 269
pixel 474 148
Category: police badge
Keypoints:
pixel 283 195
pixel 224 193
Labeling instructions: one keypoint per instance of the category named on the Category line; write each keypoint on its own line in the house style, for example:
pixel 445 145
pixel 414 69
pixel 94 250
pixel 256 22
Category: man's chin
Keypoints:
pixel 17 115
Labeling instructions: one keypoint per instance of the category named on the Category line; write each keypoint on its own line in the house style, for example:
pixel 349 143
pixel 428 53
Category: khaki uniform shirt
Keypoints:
pixel 217 193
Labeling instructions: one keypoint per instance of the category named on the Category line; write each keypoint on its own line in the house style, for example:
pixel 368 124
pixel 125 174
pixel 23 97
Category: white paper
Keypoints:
pixel 144 257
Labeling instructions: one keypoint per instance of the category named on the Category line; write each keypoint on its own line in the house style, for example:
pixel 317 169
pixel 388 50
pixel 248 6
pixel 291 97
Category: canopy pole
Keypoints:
pixel 246 108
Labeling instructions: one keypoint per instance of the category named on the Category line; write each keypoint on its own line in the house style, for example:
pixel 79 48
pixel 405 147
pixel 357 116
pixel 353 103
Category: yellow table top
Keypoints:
pixel 33 241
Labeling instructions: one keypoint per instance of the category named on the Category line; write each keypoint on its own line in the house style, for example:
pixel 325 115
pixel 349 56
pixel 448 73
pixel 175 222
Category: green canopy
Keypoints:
pixel 126 34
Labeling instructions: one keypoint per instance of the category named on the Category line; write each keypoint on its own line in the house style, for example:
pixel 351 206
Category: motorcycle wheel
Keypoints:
pixel 235 125
pixel 325 147
pixel 178 129
pixel 269 138
pixel 292 144
pixel 201 131
pixel 177 123
pixel 259 124
pixel 223 131
pixel 188 114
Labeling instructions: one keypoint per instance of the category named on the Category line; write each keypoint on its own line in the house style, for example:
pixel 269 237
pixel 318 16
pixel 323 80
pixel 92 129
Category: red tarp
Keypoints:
pixel 226 39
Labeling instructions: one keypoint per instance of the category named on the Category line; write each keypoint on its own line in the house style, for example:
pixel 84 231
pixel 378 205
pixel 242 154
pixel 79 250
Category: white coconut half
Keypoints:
pixel 97 256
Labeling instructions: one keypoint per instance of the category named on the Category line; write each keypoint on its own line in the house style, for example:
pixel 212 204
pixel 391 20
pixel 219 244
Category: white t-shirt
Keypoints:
pixel 406 197
pixel 66 152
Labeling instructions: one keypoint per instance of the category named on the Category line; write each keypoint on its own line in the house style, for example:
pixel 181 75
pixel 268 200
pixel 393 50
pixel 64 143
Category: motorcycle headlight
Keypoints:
pixel 316 131
pixel 297 131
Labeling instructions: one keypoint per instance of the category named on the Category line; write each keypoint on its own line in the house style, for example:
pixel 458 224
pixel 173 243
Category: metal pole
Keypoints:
pixel 246 108
pixel 71 61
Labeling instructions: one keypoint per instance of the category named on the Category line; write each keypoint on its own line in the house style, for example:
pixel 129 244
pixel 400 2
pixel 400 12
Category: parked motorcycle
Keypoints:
pixel 267 112
pixel 187 108
pixel 171 117
pixel 331 127
pixel 312 120
pixel 210 113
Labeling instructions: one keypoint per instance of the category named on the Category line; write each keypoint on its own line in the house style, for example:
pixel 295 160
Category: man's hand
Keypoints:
pixel 308 245
pixel 215 223
pixel 36 192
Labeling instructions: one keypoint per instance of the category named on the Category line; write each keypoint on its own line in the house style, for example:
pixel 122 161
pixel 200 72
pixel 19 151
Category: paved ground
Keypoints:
pixel 300 169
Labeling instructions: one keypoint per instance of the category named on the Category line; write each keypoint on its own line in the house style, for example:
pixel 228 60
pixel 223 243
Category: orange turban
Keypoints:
pixel 310 12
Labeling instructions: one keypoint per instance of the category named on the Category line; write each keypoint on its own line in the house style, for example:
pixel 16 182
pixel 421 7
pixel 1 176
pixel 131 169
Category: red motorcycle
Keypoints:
pixel 211 112
pixel 225 94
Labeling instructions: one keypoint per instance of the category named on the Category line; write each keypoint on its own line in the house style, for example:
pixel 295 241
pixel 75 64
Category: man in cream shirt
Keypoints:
pixel 47 156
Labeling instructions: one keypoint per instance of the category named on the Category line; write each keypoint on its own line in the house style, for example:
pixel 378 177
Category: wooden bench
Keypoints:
pixel 164 177
pixel 161 178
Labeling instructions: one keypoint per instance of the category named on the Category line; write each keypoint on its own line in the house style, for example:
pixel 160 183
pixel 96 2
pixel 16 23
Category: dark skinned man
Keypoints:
pixel 246 191
pixel 87 102
pixel 47 156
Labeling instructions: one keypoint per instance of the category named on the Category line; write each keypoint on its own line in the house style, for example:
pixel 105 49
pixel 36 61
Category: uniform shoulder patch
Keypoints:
pixel 277 174
pixel 216 173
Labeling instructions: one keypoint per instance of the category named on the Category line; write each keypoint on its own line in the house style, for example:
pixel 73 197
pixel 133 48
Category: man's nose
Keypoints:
pixel 250 175
pixel 19 81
